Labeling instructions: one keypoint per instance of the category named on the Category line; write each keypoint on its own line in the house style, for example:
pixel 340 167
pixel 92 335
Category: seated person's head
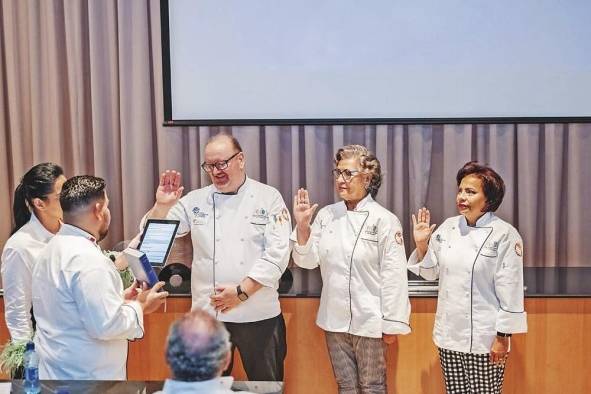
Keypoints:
pixel 198 347
pixel 84 202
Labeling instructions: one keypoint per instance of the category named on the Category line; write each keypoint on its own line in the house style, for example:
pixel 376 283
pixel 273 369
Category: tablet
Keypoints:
pixel 157 240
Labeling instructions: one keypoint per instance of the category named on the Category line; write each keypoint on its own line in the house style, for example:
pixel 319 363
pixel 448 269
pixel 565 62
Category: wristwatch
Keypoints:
pixel 503 335
pixel 242 296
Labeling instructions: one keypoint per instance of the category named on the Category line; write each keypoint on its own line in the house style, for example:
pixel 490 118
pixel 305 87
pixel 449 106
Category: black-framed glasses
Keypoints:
pixel 346 174
pixel 220 165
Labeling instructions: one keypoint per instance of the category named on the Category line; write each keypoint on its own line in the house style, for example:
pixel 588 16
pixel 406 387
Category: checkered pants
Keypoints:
pixel 468 373
pixel 358 363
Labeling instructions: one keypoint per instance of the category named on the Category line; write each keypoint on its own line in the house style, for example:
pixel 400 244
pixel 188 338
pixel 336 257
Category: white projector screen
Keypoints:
pixel 375 61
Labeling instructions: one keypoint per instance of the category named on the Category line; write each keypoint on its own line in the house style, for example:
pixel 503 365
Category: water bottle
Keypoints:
pixel 31 364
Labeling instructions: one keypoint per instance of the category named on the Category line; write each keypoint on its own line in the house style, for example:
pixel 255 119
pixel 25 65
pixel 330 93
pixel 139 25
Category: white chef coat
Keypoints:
pixel 480 271
pixel 363 266
pixel 83 323
pixel 18 258
pixel 221 385
pixel 251 239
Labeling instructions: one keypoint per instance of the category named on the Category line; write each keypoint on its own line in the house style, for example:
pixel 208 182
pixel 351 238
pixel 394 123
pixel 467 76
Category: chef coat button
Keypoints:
pixel 241 239
pixel 246 217
pixel 330 231
pixel 252 196
pixel 242 262
pixel 466 315
pixel 217 240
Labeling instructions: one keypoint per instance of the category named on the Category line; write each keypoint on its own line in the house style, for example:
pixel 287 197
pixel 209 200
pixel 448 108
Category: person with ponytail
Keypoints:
pixel 37 217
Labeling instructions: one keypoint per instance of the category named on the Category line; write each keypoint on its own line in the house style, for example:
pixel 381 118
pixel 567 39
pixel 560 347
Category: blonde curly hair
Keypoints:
pixel 369 164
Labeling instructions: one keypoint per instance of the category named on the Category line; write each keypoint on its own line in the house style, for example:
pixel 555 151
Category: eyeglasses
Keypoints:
pixel 346 174
pixel 220 165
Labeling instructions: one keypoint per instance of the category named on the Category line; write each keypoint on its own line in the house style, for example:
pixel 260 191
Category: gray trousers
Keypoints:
pixel 358 363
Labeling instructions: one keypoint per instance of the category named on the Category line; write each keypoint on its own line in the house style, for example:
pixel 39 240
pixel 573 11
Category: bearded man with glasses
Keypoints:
pixel 240 233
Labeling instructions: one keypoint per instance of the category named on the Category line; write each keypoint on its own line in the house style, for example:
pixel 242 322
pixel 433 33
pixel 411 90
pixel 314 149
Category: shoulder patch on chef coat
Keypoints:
pixel 518 249
pixel 282 217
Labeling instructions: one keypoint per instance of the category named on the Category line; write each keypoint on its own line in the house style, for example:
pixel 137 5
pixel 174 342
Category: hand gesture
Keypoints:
pixel 225 297
pixel 499 350
pixel 169 189
pixel 302 210
pixel 389 339
pixel 151 299
pixel 421 226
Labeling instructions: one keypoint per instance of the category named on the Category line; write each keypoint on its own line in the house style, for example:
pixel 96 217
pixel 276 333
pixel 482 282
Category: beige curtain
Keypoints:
pixel 81 85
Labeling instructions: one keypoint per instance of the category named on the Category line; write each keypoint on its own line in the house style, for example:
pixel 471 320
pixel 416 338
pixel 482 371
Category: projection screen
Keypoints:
pixel 377 61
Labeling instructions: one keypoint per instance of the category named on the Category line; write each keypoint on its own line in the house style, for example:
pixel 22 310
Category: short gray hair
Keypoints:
pixel 369 164
pixel 197 347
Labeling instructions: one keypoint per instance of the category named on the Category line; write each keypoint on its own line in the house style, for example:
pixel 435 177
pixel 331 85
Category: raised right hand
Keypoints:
pixel 302 210
pixel 421 226
pixel 169 189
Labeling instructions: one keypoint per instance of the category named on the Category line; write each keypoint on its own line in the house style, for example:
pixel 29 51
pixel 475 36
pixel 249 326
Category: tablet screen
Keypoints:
pixel 157 240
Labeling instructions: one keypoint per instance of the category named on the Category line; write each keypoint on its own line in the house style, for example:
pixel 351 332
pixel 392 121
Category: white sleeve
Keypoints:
pixel 267 269
pixel 177 212
pixel 16 279
pixel 101 307
pixel 511 317
pixel 306 256
pixel 394 290
pixel 428 267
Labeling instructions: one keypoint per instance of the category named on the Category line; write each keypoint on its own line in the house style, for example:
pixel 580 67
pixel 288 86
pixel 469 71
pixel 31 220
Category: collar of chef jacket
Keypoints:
pixel 68 229
pixel 241 190
pixel 361 205
pixel 40 231
pixel 482 221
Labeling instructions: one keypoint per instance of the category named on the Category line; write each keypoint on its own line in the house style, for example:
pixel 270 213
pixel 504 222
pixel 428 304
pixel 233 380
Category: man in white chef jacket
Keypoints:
pixel 240 233
pixel 84 317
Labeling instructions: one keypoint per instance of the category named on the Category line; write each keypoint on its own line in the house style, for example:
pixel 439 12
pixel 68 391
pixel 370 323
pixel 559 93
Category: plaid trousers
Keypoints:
pixel 469 373
pixel 358 363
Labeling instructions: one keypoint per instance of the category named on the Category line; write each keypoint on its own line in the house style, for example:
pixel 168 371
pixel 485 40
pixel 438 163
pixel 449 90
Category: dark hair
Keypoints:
pixel 197 347
pixel 81 191
pixel 492 183
pixel 224 135
pixel 38 182
pixel 369 164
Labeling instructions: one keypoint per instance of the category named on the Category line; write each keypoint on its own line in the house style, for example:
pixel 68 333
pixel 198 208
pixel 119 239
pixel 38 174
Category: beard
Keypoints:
pixel 103 233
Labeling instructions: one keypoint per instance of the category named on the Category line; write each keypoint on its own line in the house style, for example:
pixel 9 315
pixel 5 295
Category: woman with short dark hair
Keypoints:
pixel 359 247
pixel 478 259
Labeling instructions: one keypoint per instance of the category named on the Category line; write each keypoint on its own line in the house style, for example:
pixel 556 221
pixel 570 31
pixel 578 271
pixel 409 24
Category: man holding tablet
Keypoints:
pixel 240 233
pixel 84 317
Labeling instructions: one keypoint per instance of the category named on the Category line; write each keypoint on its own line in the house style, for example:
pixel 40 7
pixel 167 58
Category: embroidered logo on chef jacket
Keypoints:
pixel 371 229
pixel 199 217
pixel 490 249
pixel 260 216
pixel 518 249
pixel 370 233
pixel 439 238
pixel 398 237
